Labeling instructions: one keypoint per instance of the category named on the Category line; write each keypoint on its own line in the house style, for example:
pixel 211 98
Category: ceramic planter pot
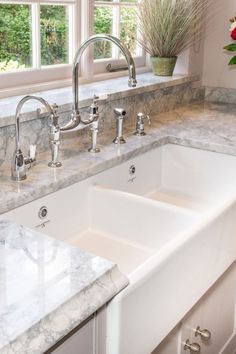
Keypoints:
pixel 163 66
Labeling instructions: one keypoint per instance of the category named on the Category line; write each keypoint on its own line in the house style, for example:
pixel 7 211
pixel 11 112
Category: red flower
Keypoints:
pixel 233 34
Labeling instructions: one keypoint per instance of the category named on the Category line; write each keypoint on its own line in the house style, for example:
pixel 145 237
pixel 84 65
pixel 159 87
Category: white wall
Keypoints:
pixel 190 61
pixel 216 72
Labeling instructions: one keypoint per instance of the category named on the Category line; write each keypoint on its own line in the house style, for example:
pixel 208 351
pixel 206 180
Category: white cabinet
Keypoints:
pixel 214 312
pixel 81 342
pixel 170 344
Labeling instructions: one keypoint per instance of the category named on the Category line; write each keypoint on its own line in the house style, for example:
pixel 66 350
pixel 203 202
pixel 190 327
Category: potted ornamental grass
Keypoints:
pixel 167 28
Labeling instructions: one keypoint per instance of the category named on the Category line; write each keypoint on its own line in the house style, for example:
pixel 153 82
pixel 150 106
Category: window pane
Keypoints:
pixel 103 24
pixel 128 28
pixel 15 37
pixel 54 34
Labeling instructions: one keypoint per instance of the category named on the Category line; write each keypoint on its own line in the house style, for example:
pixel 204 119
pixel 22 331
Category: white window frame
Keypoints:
pixel 37 78
pixel 140 59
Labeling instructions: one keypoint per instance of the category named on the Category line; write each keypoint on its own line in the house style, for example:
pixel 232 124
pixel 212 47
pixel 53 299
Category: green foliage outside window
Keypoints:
pixel 54 35
pixel 102 24
pixel 128 25
pixel 15 34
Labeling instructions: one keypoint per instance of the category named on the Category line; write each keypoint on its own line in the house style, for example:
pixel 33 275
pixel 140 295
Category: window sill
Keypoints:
pixel 109 90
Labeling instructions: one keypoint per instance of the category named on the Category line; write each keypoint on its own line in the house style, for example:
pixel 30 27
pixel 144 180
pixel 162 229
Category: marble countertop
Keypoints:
pixel 107 90
pixel 47 288
pixel 201 125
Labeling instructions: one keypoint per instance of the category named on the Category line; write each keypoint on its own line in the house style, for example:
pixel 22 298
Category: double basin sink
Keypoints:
pixel 166 218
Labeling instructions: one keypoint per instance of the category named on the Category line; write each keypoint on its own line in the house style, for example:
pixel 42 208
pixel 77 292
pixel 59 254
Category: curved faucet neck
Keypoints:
pixel 18 112
pixel 97 38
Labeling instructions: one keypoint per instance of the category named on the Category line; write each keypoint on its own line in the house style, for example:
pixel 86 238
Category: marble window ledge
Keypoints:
pixel 107 90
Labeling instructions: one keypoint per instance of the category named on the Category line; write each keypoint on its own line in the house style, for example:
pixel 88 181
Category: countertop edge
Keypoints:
pixel 51 329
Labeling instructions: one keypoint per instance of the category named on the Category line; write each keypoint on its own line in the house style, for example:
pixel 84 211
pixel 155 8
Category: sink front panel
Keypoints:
pixel 165 288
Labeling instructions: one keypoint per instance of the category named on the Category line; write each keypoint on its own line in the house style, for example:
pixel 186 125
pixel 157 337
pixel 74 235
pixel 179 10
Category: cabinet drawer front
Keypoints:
pixel 80 342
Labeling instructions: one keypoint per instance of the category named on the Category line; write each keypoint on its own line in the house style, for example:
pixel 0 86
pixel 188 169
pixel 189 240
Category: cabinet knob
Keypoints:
pixel 203 333
pixel 193 347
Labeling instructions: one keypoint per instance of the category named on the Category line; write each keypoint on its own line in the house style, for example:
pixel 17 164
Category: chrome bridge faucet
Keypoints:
pixel 75 115
pixel 21 164
pixel 94 116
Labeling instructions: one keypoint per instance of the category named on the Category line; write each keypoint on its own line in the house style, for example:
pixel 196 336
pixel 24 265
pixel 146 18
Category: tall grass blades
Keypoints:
pixel 167 27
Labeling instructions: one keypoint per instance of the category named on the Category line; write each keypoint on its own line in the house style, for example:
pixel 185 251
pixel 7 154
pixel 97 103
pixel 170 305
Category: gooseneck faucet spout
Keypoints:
pixel 20 163
pixel 75 116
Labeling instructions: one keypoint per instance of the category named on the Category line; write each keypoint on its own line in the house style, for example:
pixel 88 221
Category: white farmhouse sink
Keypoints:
pixel 186 177
pixel 128 229
pixel 124 228
pixel 170 227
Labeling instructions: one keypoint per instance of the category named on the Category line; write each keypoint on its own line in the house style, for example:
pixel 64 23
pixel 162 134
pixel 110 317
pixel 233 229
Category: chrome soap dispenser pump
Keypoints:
pixel 140 124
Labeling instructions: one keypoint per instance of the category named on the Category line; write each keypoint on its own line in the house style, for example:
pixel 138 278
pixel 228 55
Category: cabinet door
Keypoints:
pixel 170 344
pixel 81 342
pixel 215 312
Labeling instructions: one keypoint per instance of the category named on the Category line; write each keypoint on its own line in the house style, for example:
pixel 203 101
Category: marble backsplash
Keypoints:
pixel 36 131
pixel 220 95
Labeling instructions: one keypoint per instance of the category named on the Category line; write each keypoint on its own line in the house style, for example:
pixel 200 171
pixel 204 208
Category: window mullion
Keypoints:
pixel 87 23
pixel 73 30
pixel 36 48
pixel 116 29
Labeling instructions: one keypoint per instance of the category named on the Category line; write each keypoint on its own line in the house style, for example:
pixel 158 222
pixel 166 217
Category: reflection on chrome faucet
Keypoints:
pixel 20 164
pixel 120 114
pixel 94 116
pixel 17 237
pixel 75 116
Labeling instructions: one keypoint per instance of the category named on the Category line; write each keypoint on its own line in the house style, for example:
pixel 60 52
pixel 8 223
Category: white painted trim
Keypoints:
pixel 52 2
pixel 56 84
pixel 116 30
pixel 86 69
pixel 100 65
pixel 28 89
pixel 230 346
pixel 72 31
pixel 34 76
pixel 80 28
pixel 36 48
pixel 38 74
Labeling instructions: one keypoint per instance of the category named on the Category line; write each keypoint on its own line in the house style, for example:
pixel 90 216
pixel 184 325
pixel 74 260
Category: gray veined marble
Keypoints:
pixel 202 125
pixel 107 89
pixel 220 94
pixel 47 288
pixel 153 94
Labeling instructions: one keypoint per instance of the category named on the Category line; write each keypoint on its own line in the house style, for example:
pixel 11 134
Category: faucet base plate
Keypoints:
pixel 96 150
pixel 139 134
pixel 119 140
pixel 55 164
pixel 18 178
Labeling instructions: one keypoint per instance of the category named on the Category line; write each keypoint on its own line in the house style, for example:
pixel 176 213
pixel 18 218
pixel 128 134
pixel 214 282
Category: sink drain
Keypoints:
pixel 43 212
pixel 132 170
